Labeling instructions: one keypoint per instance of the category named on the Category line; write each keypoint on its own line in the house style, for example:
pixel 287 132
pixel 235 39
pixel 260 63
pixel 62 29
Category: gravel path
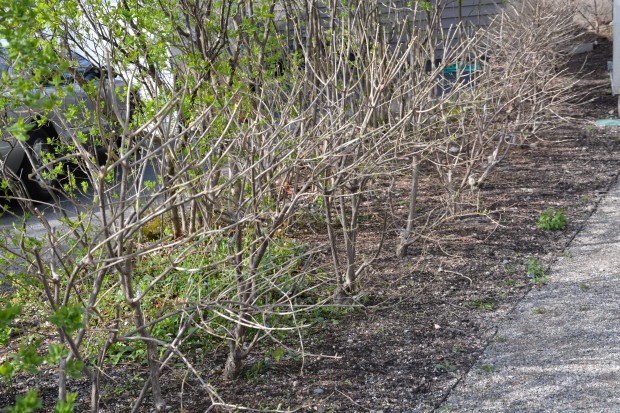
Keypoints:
pixel 559 350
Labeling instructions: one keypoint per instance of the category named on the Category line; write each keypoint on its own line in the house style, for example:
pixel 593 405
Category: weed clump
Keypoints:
pixel 536 272
pixel 552 220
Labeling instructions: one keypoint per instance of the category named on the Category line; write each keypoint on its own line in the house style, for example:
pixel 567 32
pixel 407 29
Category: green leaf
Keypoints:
pixel 28 359
pixel 55 353
pixel 426 5
pixel 8 314
pixel 74 368
pixel 68 406
pixel 28 403
pixel 20 129
pixel 7 370
pixel 277 354
pixel 68 317
pixel 71 113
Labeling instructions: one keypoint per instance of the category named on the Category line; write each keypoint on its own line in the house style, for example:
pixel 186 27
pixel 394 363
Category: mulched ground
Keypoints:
pixel 427 317
pixel 431 314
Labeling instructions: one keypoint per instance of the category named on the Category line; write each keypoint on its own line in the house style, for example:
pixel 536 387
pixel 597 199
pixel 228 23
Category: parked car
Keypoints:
pixel 29 160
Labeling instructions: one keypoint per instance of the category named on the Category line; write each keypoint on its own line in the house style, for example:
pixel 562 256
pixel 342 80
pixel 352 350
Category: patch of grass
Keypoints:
pixel 552 220
pixel 457 349
pixel 500 339
pixel 487 368
pixel 328 315
pixel 584 287
pixel 539 311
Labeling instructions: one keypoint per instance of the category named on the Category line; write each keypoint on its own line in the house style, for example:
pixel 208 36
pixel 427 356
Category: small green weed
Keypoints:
pixel 5 335
pixel 258 369
pixel 482 305
pixel 552 220
pixel 327 315
pixel 536 272
pixel 500 339
pixel 514 283
pixel 133 351
pixel 584 287
pixel 487 368
pixel 539 311
pixel 445 366
pixel 277 354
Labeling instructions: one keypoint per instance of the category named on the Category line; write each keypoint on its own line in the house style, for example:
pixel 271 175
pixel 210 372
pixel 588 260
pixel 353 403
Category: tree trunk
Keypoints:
pixel 405 236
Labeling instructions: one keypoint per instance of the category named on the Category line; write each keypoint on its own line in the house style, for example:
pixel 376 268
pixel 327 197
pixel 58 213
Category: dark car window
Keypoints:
pixel 82 61
pixel 87 69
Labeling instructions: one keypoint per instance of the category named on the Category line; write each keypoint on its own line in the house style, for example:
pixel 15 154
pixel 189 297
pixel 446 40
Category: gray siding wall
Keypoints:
pixel 474 12
pixel 471 13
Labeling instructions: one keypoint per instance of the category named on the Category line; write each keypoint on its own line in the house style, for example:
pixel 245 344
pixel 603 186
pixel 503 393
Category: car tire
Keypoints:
pixel 37 186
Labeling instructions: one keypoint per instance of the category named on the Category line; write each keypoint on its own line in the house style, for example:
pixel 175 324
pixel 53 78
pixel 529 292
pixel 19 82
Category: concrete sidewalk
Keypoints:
pixel 559 350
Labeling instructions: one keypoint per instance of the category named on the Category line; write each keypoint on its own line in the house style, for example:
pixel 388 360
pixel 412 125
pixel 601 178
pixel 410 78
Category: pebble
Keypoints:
pixel 318 391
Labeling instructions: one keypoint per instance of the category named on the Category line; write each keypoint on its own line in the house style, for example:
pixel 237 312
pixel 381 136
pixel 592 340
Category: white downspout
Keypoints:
pixel 615 74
